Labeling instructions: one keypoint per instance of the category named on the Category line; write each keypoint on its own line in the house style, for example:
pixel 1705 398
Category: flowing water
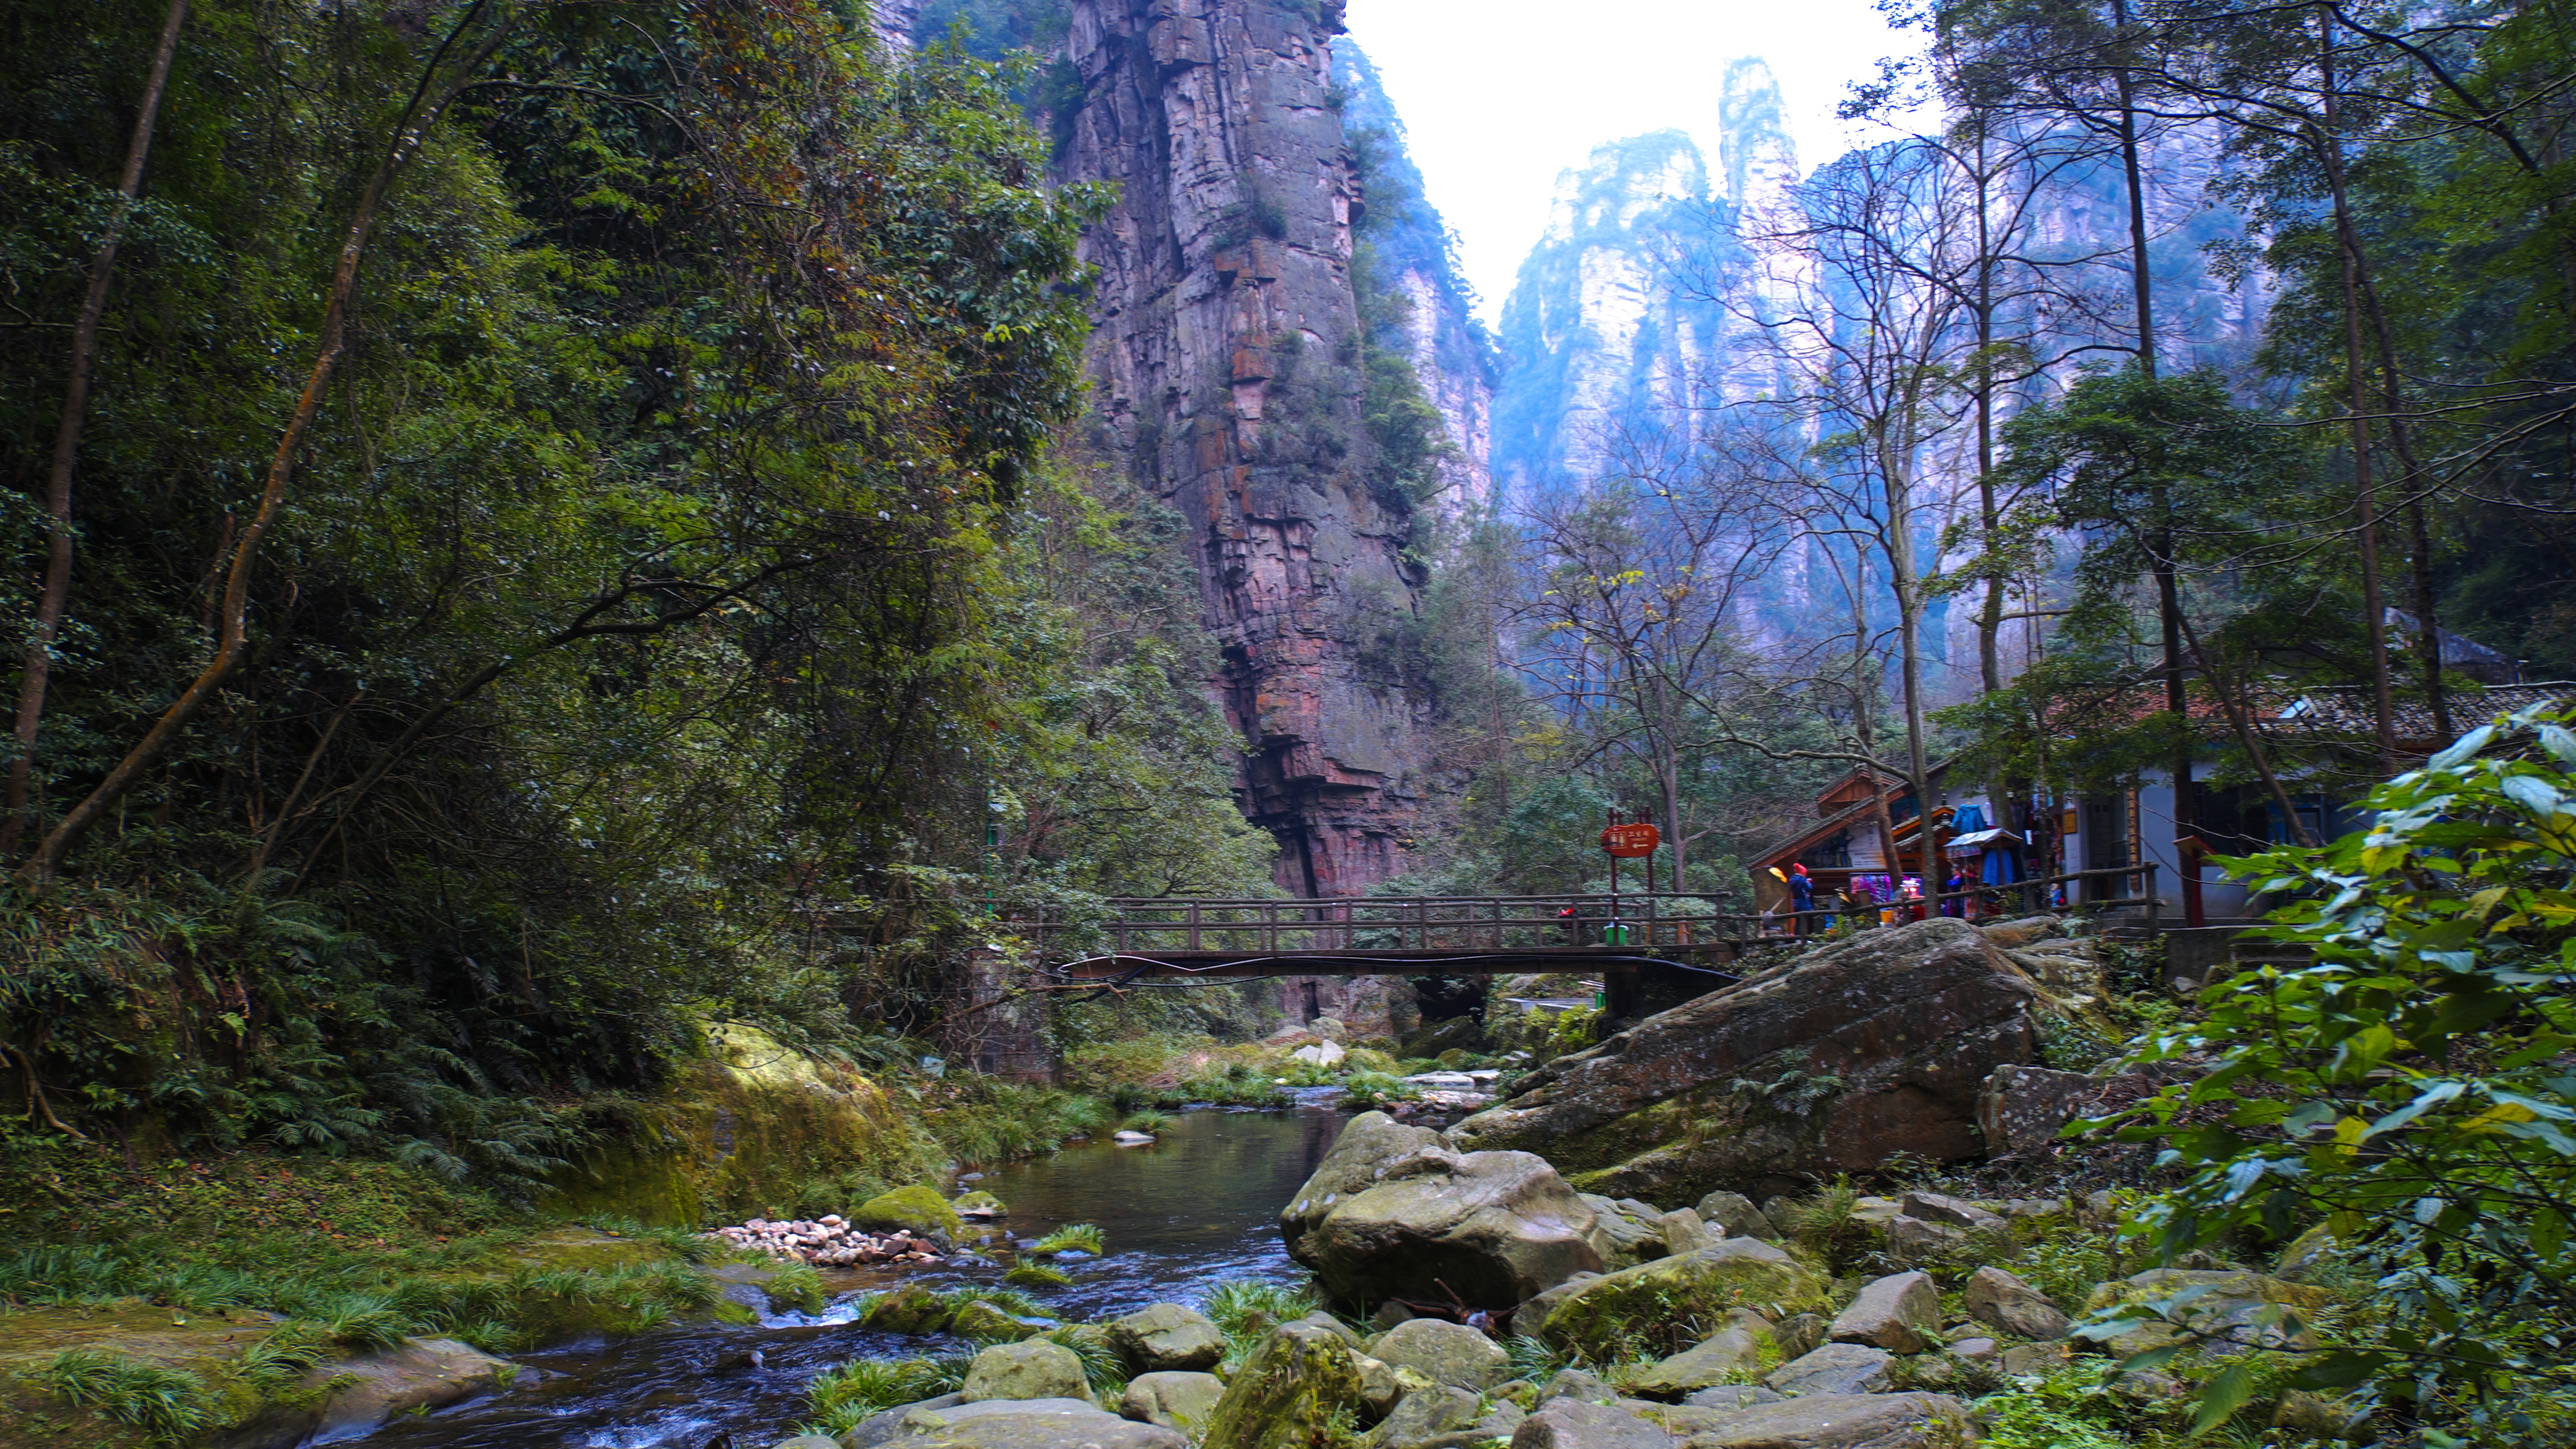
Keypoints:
pixel 1197 1208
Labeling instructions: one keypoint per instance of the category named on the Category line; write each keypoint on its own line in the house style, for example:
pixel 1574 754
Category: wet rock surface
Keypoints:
pixel 1877 1045
pixel 1393 1213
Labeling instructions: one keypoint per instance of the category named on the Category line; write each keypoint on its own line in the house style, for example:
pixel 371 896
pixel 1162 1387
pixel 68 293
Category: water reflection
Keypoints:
pixel 1197 1208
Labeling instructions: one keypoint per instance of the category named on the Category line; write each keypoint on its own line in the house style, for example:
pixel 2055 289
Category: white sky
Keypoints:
pixel 1498 96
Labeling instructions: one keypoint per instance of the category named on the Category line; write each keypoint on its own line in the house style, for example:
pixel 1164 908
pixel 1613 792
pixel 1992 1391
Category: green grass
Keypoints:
pixel 1102 1368
pixel 1037 1275
pixel 1245 1312
pixel 166 1405
pixel 840 1398
pixel 1074 1237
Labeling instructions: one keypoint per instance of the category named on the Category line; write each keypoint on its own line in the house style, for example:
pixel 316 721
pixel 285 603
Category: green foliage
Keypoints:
pixel 839 1398
pixel 1074 1237
pixel 1245 1311
pixel 1147 1122
pixel 166 1405
pixel 983 1120
pixel 2410 1087
pixel 1037 1275
pixel 1102 1366
pixel 795 1284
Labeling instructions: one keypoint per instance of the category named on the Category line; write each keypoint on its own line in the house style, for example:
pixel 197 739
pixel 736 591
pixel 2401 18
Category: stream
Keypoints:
pixel 1197 1208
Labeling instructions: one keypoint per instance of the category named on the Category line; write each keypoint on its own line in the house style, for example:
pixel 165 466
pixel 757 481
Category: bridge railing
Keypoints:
pixel 1430 924
pixel 1415 923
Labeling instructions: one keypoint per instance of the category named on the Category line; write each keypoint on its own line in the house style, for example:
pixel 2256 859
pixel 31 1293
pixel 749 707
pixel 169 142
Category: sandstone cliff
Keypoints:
pixel 1228 378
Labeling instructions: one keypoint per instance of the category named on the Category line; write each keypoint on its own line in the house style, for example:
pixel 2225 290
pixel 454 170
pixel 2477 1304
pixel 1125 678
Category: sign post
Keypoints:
pixel 1631 840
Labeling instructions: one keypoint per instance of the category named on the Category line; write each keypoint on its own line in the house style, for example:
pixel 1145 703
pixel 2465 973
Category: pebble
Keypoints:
pixel 827 1242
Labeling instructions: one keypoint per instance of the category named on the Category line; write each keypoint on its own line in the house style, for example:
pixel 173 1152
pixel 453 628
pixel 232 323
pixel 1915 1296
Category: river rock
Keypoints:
pixel 1287 1393
pixel 1392 1209
pixel 1736 1214
pixel 1321 1054
pixel 1634 1237
pixel 908 1309
pixel 1035 1369
pixel 1327 1322
pixel 979 1205
pixel 878 1428
pixel 809 1441
pixel 1573 1424
pixel 2006 1304
pixel 1887 1036
pixel 2230 1303
pixel 1180 1401
pixel 1431 1418
pixel 1167 1338
pixel 1845 1421
pixel 1913 1239
pixel 1836 1368
pixel 1729 1396
pixel 919 1208
pixel 1738 1345
pixel 1445 1353
pixel 2020 1108
pixel 421 1374
pixel 1573 1383
pixel 1383 1385
pixel 1800 1334
pixel 1683 1231
pixel 2023 1359
pixel 1030 1424
pixel 1958 1212
pixel 1900 1313
pixel 1729 1273
pixel 981 1320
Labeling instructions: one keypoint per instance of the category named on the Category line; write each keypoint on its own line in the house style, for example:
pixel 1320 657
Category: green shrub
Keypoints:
pixel 1246 1311
pixel 1037 1275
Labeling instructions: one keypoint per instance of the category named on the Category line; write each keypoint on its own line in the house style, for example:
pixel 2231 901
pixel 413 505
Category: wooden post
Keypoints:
pixel 1194 925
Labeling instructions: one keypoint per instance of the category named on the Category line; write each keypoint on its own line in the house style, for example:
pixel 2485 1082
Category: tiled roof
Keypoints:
pixel 2345 711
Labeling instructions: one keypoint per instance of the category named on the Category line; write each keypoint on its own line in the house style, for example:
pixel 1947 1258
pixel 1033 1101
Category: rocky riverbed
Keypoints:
pixel 1683 1311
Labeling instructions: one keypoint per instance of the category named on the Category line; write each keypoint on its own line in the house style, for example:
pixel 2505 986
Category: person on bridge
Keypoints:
pixel 1802 899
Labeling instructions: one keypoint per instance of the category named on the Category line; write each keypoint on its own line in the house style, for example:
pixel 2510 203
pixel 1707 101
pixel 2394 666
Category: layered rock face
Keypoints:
pixel 1226 376
pixel 1834 1062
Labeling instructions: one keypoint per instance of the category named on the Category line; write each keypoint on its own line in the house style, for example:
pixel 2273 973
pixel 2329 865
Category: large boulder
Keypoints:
pixel 1832 1062
pixel 1028 1424
pixel 1836 1368
pixel 908 1309
pixel 1736 1215
pixel 1393 1212
pixel 2234 1310
pixel 2020 1108
pixel 1167 1338
pixel 1288 1393
pixel 1574 1424
pixel 1180 1401
pixel 1844 1421
pixel 2003 1302
pixel 1593 1315
pixel 919 1208
pixel 1033 1369
pixel 1445 1353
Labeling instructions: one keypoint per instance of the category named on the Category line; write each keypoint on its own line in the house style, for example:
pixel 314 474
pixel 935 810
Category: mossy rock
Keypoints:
pixel 1596 1314
pixel 919 1208
pixel 981 1320
pixel 909 1309
pixel 749 1128
pixel 976 1204
pixel 1288 1394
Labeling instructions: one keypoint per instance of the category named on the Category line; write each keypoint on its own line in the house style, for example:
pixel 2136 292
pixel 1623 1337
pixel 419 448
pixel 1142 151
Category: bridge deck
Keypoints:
pixel 1166 965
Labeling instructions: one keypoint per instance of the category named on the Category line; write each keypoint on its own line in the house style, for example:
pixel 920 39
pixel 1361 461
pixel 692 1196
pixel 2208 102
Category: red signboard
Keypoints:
pixel 1631 841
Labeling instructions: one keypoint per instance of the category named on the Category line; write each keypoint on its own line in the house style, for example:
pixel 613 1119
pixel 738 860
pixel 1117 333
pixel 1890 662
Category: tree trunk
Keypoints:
pixel 2374 612
pixel 38 671
pixel 2142 282
pixel 425 109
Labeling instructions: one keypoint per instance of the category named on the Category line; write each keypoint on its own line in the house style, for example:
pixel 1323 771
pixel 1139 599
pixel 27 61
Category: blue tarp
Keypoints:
pixel 2002 867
